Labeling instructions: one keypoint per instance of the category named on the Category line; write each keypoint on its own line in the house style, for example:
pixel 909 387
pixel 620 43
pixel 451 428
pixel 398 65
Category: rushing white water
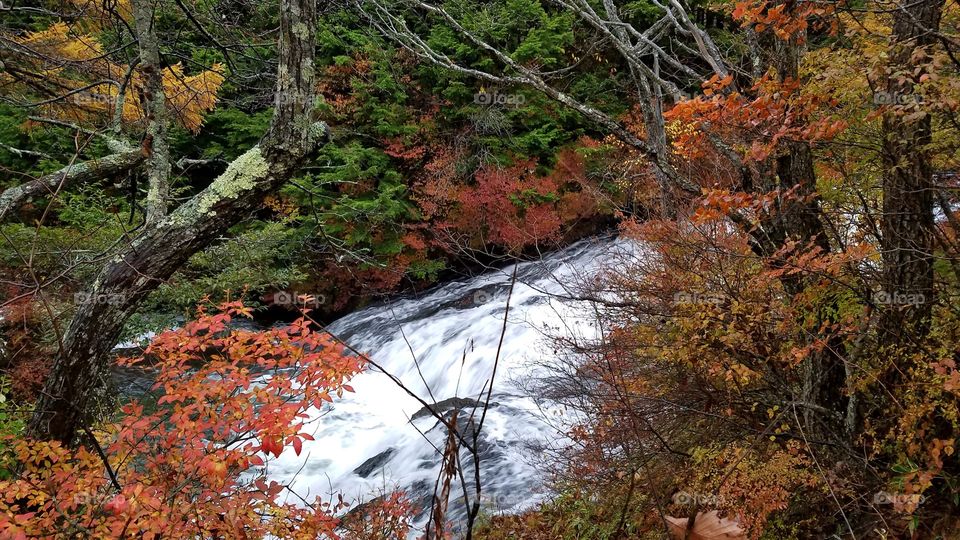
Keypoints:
pixel 453 331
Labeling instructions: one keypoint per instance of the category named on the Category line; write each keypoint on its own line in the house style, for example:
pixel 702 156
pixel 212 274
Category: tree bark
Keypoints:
pixel 908 191
pixel 799 218
pixel 161 250
pixel 76 173
pixel 153 101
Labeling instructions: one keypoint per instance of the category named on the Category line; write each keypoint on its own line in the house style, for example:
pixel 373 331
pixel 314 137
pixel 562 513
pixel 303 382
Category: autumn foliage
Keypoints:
pixel 190 464
pixel 75 60
pixel 778 355
pixel 516 207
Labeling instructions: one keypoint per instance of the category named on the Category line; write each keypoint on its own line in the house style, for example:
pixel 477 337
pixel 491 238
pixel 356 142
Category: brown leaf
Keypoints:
pixel 706 526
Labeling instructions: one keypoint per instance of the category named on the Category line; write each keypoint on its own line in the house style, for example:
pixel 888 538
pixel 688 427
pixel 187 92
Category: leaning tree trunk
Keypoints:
pixel 162 249
pixel 908 192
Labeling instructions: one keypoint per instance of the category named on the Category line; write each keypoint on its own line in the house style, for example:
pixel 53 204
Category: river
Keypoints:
pixel 442 344
pixel 366 442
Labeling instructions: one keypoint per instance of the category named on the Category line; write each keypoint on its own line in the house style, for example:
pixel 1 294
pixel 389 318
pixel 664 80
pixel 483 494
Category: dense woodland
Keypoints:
pixel 781 363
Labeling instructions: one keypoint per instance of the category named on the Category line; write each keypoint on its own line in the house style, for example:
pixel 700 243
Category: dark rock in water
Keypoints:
pixel 375 463
pixel 449 404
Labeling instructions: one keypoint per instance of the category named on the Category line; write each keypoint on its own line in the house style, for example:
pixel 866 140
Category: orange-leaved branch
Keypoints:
pixel 189 465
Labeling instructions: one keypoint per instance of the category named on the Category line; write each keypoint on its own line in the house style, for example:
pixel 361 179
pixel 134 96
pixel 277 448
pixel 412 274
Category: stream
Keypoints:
pixel 442 344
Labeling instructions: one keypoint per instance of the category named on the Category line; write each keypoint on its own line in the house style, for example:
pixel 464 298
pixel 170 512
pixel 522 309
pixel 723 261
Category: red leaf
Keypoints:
pixel 297 445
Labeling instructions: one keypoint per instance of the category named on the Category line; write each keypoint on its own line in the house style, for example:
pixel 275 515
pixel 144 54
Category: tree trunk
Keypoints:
pixel 908 192
pixel 651 103
pixel 154 106
pixel 798 218
pixel 153 257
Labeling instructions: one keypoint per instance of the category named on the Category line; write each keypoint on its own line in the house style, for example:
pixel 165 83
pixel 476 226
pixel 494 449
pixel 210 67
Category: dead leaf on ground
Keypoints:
pixel 706 526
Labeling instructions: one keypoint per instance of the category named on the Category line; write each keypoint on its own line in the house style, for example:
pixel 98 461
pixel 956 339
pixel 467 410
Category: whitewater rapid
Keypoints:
pixel 366 443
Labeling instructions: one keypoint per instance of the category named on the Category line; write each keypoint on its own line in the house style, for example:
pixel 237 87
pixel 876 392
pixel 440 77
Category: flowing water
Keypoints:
pixel 442 344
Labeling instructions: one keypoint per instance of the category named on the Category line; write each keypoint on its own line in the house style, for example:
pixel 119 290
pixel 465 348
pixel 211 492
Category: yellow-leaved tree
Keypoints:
pixel 72 72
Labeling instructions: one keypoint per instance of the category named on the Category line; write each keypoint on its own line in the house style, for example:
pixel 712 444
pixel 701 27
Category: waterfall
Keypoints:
pixel 373 440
